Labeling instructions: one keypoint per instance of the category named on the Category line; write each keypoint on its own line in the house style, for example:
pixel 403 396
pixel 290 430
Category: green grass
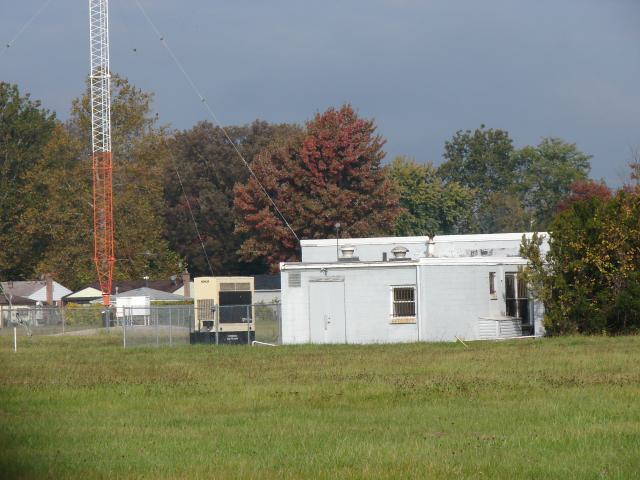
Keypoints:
pixel 551 408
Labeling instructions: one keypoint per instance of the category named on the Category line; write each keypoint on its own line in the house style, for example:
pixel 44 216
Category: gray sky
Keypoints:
pixel 422 68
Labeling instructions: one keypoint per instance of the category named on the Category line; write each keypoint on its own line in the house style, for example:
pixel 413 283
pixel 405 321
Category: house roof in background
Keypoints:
pixel 85 292
pixel 23 288
pixel 153 294
pixel 126 285
pixel 15 300
pixel 266 282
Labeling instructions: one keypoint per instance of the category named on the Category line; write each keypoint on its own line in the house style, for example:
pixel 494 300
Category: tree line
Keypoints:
pixel 184 199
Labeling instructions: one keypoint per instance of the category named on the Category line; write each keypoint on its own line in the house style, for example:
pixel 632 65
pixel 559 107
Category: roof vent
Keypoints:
pixel 347 251
pixel 399 253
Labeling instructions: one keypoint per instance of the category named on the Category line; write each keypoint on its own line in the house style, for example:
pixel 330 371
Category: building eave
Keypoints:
pixel 433 261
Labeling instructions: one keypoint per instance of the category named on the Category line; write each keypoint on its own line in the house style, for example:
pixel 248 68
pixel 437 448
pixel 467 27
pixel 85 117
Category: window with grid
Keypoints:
pixel 404 302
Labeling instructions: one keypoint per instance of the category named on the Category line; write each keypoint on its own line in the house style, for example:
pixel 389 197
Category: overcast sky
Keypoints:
pixel 421 68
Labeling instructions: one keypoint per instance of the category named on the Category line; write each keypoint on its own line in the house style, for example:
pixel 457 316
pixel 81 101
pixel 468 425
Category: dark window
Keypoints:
pixel 404 302
pixel 235 307
pixel 235 298
pixel 492 283
pixel 516 297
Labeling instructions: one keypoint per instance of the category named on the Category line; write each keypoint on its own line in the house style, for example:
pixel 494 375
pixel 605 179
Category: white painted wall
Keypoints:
pixel 452 298
pixel 295 308
pixel 134 306
pixel 367 304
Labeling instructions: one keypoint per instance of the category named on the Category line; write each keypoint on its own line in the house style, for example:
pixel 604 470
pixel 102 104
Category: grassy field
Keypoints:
pixel 551 408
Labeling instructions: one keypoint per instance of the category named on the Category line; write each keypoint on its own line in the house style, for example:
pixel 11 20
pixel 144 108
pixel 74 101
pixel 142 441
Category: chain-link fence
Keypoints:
pixel 45 320
pixel 151 325
pixel 156 325
pixel 237 324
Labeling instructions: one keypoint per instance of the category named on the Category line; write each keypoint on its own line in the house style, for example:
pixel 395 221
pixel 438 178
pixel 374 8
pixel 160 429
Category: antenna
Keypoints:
pixel 100 79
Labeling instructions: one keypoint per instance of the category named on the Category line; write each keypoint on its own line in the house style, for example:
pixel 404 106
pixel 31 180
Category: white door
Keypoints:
pixel 326 304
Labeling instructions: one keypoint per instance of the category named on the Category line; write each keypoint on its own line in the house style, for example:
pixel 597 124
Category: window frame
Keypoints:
pixel 493 291
pixel 403 319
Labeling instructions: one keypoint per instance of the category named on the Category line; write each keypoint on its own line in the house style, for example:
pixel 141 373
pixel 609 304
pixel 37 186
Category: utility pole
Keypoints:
pixel 100 79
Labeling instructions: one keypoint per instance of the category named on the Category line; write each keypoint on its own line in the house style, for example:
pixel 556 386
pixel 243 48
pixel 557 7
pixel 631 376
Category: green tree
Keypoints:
pixel 209 167
pixel 430 206
pixel 25 129
pixel 61 182
pixel 515 189
pixel 589 278
pixel 483 160
pixel 544 177
pixel 330 174
pixel 503 212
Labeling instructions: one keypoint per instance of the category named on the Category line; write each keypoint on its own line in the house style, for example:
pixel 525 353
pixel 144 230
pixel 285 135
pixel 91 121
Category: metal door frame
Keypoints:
pixel 329 279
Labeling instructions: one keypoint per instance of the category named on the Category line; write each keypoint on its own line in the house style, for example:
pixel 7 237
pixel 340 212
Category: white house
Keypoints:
pixel 408 289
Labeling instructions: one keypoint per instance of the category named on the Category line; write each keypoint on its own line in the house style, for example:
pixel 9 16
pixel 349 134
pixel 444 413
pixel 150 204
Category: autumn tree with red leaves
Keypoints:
pixel 584 190
pixel 330 173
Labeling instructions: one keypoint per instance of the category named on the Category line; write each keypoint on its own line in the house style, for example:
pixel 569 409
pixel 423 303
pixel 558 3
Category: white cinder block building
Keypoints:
pixel 408 289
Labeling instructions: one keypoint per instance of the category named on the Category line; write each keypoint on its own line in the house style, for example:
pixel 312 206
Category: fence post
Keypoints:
pixel 192 321
pixel 124 327
pixel 15 339
pixel 216 319
pixel 157 315
pixel 60 309
pixel 248 327
pixel 170 326
pixel 279 322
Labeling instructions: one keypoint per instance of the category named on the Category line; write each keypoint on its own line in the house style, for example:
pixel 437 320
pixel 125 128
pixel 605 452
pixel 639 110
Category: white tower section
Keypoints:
pixel 100 76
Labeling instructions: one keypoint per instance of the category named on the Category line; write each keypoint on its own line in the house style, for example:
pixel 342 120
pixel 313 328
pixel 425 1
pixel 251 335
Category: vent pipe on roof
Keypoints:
pixel 431 247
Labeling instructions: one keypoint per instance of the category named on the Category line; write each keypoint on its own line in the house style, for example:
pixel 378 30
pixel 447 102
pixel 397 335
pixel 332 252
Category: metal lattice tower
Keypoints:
pixel 100 79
